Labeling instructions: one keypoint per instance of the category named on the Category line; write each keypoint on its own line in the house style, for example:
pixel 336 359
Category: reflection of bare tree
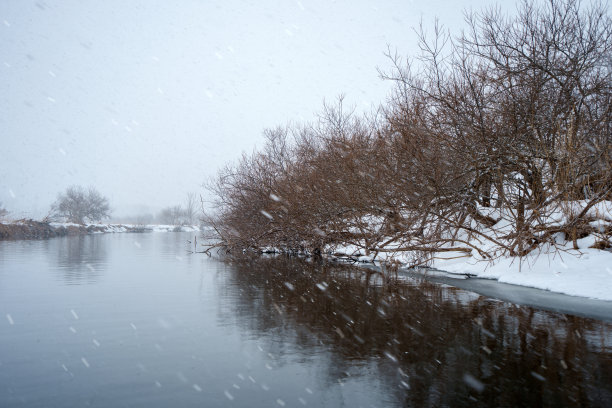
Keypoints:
pixel 81 258
pixel 432 345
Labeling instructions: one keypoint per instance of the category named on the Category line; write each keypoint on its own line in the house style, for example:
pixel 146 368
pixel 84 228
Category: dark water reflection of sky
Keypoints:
pixel 135 320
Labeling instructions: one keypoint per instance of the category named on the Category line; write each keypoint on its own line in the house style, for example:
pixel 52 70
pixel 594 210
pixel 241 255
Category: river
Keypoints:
pixel 135 320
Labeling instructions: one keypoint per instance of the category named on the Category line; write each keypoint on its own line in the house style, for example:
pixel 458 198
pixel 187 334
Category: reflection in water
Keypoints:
pixel 165 327
pixel 80 258
pixel 430 344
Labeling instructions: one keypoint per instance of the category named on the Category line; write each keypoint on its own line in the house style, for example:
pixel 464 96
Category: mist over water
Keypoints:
pixel 146 100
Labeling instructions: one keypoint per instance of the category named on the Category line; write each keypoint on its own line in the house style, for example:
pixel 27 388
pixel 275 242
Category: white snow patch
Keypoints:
pixel 585 273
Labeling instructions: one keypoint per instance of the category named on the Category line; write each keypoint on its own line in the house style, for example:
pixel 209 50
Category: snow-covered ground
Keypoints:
pixel 585 272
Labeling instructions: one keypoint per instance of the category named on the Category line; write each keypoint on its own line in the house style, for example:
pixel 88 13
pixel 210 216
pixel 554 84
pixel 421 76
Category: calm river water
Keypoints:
pixel 134 320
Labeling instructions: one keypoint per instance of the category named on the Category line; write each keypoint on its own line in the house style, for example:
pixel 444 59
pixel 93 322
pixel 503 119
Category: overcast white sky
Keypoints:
pixel 146 99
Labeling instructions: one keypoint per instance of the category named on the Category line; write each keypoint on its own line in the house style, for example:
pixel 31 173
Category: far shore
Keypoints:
pixel 32 229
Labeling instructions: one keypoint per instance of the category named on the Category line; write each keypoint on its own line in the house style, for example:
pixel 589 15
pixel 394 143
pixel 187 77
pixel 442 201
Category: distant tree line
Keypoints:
pixel 186 214
pixel 80 206
pixel 497 142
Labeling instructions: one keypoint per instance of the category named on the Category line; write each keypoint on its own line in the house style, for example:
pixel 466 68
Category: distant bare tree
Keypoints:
pixel 79 205
pixel 173 215
pixel 144 219
pixel 191 209
pixel 3 211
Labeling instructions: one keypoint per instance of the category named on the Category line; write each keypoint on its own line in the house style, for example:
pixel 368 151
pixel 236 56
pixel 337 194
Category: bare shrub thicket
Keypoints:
pixel 497 141
pixel 519 111
pixel 310 186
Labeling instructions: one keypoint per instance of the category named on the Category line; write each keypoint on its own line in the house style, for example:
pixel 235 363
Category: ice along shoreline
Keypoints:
pixel 599 309
pixel 583 273
pixel 522 295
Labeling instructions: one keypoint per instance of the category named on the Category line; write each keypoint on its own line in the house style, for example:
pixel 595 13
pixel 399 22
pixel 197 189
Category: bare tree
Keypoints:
pixel 79 205
pixel 144 219
pixel 191 209
pixel 173 215
pixel 519 111
pixel 3 211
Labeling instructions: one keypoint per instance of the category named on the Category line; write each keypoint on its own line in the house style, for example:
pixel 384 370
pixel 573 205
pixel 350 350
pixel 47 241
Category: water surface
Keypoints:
pixel 135 320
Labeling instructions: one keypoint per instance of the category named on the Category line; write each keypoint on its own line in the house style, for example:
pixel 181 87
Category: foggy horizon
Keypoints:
pixel 144 100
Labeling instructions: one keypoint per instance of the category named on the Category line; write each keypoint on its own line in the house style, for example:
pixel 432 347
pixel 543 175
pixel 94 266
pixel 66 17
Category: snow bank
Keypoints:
pixel 173 228
pixel 586 273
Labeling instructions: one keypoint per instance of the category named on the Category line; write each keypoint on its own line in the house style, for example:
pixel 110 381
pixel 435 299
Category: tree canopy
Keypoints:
pixel 79 205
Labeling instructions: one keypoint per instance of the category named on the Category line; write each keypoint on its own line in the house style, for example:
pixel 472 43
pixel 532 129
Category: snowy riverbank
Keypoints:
pixel 31 229
pixel 586 272
pixel 579 268
pixel 114 228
